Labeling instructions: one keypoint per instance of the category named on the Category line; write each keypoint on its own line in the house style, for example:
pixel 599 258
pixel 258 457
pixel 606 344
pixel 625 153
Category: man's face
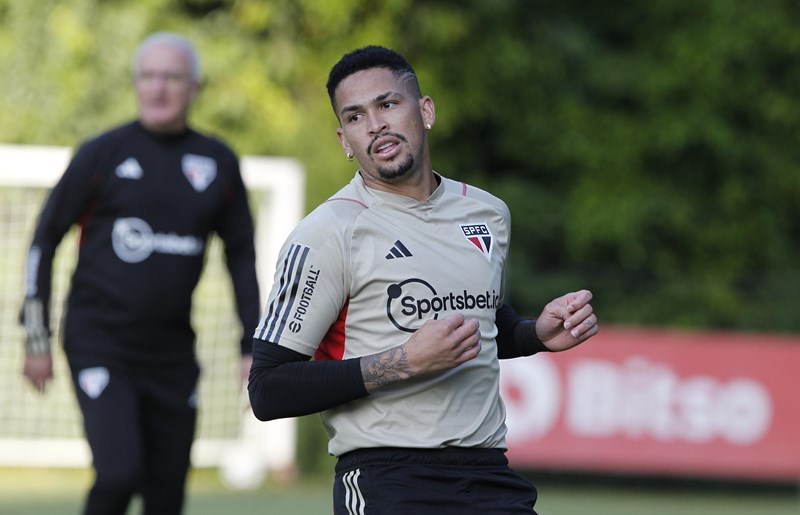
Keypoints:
pixel 164 88
pixel 382 123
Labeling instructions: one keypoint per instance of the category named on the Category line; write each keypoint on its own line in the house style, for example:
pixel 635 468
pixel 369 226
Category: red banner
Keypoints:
pixel 659 402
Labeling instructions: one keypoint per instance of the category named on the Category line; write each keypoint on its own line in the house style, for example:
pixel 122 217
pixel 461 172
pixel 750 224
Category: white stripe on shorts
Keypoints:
pixel 353 500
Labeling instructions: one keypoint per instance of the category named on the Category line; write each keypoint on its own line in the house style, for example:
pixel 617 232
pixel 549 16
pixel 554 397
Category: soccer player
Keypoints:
pixel 147 196
pixel 395 287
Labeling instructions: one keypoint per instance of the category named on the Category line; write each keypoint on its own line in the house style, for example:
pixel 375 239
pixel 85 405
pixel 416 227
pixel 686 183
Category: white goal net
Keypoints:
pixel 46 430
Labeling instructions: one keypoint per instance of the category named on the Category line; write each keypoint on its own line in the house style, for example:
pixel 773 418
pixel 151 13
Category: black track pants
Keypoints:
pixel 140 423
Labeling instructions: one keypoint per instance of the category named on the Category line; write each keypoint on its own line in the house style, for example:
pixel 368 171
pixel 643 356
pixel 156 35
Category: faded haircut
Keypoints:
pixel 366 58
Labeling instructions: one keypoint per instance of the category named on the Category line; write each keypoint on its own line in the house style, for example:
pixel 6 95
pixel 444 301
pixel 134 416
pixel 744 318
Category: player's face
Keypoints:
pixel 383 124
pixel 164 88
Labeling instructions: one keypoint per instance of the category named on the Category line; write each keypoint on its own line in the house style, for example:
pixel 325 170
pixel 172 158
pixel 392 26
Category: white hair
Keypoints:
pixel 175 40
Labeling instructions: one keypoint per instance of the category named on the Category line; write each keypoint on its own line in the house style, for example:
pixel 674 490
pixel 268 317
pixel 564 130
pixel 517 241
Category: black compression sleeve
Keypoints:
pixel 284 383
pixel 516 336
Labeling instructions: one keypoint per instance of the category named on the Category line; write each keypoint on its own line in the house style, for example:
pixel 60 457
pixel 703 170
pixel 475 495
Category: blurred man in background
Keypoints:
pixel 395 286
pixel 147 196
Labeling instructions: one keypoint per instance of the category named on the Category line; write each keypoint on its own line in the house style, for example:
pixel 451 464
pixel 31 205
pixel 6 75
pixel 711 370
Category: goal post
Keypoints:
pixel 46 430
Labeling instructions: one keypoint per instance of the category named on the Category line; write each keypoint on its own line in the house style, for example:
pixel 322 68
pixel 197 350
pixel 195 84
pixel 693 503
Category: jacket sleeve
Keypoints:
pixel 68 201
pixel 235 228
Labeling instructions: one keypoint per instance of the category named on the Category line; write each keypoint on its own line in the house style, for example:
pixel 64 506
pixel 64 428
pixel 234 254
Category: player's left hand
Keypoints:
pixel 567 321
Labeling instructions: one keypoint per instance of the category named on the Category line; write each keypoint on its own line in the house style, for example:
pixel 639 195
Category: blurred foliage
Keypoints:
pixel 646 149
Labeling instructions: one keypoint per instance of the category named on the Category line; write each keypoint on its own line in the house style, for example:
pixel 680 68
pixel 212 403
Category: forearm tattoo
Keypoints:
pixel 379 370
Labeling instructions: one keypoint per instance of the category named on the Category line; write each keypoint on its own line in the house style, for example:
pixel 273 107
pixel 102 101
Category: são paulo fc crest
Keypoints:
pixel 480 237
pixel 93 381
pixel 200 170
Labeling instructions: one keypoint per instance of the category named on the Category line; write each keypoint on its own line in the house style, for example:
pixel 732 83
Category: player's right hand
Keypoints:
pixel 39 370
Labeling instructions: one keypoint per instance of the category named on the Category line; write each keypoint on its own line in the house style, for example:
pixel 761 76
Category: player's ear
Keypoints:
pixel 345 144
pixel 195 87
pixel 428 111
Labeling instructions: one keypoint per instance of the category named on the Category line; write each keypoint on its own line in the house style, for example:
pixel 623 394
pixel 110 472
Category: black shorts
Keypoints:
pixel 451 481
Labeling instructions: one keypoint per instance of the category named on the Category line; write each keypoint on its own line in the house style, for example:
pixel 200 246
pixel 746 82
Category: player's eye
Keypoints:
pixel 149 77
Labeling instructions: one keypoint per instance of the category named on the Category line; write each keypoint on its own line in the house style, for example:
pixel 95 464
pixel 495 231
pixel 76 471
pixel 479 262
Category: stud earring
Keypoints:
pixel 428 126
pixel 349 157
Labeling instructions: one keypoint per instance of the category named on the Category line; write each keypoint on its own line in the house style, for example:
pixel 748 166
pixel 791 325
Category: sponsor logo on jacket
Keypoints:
pixel 134 241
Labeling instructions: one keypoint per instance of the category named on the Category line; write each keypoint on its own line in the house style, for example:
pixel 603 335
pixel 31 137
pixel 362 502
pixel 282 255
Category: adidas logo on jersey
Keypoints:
pixel 398 250
pixel 129 169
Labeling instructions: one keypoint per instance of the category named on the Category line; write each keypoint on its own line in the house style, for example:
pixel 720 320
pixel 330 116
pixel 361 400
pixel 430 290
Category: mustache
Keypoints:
pixel 376 138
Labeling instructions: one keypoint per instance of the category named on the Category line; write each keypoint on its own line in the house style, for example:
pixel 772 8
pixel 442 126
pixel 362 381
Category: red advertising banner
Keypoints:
pixel 659 402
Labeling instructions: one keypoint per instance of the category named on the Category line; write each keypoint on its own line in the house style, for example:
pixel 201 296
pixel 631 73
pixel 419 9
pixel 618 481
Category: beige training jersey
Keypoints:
pixel 365 270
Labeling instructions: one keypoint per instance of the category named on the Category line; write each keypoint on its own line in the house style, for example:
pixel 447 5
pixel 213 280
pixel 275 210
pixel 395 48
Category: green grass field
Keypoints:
pixel 60 492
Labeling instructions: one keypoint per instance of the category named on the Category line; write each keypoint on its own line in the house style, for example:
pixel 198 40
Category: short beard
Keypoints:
pixel 390 174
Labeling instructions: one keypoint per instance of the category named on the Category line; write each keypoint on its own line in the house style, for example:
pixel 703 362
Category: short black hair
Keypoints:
pixel 368 57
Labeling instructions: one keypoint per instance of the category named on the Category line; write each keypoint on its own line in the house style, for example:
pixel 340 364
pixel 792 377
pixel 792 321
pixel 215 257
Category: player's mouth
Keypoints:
pixel 386 146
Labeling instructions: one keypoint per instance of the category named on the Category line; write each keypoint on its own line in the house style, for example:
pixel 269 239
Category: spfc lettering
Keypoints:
pixel 480 237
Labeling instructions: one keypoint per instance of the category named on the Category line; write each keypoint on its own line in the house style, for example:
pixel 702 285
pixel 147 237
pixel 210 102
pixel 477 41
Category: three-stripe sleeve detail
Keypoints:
pixel 281 306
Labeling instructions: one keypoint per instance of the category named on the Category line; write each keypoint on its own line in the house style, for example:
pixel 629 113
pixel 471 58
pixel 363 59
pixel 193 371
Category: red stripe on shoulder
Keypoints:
pixel 332 345
pixel 348 200
pixel 463 189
